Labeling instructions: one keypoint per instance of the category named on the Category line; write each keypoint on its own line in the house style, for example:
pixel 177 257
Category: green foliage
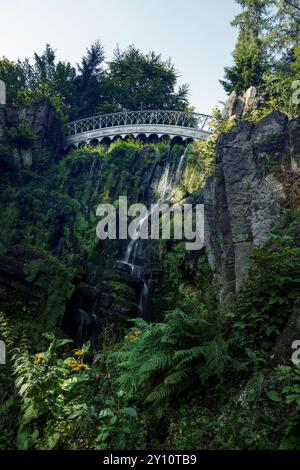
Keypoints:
pixel 118 428
pixel 56 281
pixel 249 64
pixel 122 292
pixel 51 391
pixel 87 87
pixel 171 356
pixel 7 162
pixel 11 73
pixel 292 398
pixel 65 405
pixel 266 54
pixel 260 416
pixel 200 164
pixel 142 81
pixel 9 409
pixel 132 80
pixel 264 302
pixel 264 416
pixel 20 136
pixel 46 79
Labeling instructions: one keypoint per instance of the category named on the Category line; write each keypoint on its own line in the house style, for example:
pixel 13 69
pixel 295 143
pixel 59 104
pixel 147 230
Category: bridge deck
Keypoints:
pixel 138 123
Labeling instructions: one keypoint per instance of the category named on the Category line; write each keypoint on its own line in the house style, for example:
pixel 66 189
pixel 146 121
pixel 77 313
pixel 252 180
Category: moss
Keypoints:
pixel 122 293
pixel 56 281
pixel 21 136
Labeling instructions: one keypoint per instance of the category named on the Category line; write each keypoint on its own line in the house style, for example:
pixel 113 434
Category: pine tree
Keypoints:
pixel 250 64
pixel 250 54
pixel 269 32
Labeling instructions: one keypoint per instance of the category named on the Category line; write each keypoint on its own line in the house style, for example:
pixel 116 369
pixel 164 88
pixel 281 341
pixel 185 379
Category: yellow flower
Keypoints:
pixel 73 364
pixel 77 366
pixel 79 352
pixel 137 332
pixel 82 367
pixel 133 335
pixel 38 358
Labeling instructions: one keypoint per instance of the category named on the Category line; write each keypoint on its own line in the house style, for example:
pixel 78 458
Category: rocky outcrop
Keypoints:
pixel 238 106
pixel 294 130
pixel 244 199
pixel 41 119
pixel 34 286
pixel 14 283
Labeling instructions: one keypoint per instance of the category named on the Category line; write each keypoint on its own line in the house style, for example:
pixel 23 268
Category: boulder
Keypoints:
pixel 238 106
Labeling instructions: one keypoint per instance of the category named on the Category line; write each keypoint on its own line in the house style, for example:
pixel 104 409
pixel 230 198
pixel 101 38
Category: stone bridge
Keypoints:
pixel 150 126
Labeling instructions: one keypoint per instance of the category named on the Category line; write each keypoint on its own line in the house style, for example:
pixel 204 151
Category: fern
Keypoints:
pixel 170 356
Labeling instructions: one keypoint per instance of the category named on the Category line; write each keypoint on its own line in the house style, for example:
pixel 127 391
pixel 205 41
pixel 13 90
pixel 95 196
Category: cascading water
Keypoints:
pixel 180 168
pixel 132 247
pixel 144 296
pixel 91 174
pixel 95 172
pixel 166 188
pixel 170 180
pixel 163 185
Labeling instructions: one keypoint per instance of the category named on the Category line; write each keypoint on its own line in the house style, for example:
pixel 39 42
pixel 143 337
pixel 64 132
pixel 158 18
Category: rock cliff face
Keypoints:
pixel 42 120
pixel 257 174
pixel 238 106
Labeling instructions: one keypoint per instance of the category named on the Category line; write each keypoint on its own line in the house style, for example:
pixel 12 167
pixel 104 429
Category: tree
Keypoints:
pixel 132 80
pixel 142 81
pixel 13 77
pixel 89 86
pixel 47 79
pixel 250 64
pixel 268 35
pixel 293 4
pixel 250 54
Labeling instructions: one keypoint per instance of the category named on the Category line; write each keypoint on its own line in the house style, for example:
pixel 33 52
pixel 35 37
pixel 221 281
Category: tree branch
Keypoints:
pixel 292 4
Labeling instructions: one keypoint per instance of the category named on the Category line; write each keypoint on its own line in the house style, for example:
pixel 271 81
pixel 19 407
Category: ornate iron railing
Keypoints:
pixel 172 118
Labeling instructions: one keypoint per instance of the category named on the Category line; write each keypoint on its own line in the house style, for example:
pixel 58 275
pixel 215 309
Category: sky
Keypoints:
pixel 195 34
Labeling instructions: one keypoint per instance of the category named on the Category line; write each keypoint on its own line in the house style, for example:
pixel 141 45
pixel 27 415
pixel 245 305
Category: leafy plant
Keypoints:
pixel 264 302
pixel 51 393
pixel 117 428
pixel 169 357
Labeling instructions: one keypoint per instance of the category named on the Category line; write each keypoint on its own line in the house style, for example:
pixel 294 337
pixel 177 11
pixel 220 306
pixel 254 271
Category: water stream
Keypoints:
pixel 166 187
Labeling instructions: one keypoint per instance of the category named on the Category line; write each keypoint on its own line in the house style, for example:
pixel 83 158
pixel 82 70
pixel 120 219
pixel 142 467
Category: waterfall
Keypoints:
pixel 180 168
pixel 91 174
pixel 144 296
pixel 164 183
pixel 132 247
pixel 166 187
pixel 169 182
pixel 92 168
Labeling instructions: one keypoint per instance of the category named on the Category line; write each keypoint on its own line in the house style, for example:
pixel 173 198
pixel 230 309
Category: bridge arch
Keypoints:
pixel 94 142
pixel 177 140
pixel 142 138
pixel 165 138
pixel 153 138
pixel 151 124
pixel 105 141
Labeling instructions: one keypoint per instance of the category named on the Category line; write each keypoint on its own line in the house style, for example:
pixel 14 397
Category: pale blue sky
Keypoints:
pixel 196 34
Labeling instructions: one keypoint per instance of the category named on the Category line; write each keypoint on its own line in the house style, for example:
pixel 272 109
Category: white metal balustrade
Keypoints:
pixel 187 125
